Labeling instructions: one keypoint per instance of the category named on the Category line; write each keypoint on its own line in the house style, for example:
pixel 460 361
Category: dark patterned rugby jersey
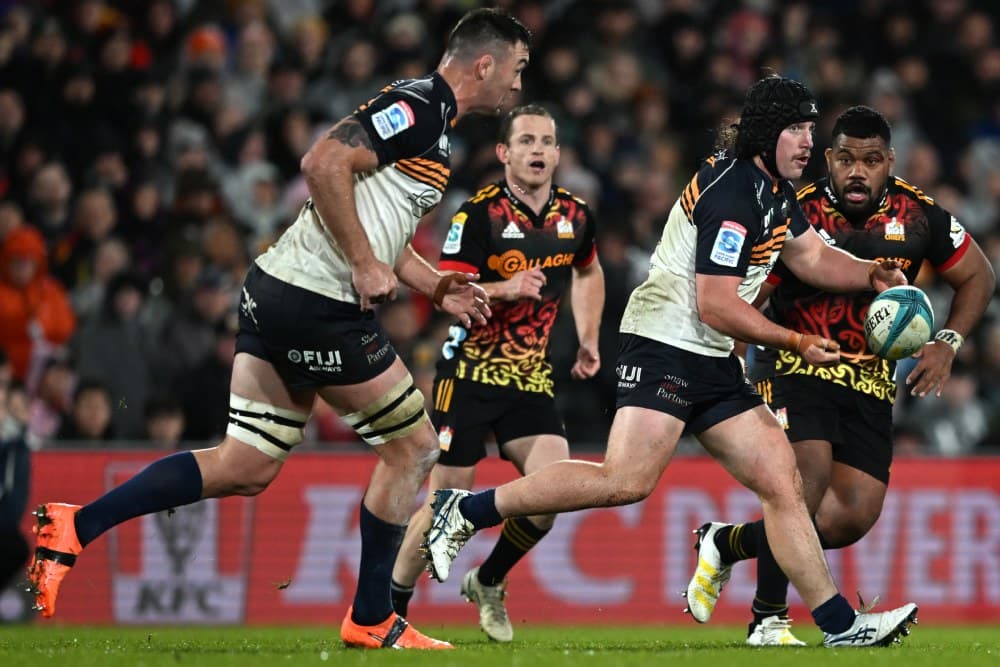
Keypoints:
pixel 908 226
pixel 496 235
pixel 732 219
pixel 408 124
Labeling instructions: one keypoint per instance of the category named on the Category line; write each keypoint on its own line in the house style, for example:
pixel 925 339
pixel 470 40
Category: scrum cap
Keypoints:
pixel 771 105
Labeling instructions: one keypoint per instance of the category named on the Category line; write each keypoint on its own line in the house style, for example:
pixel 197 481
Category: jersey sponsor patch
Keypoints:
pixel 453 243
pixel 393 119
pixel 728 244
pixel 957 232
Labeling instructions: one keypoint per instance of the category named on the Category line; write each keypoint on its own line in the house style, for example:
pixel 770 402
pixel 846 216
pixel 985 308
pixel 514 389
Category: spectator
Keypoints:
pixel 34 308
pixel 52 399
pixel 164 421
pixel 114 346
pixel 90 419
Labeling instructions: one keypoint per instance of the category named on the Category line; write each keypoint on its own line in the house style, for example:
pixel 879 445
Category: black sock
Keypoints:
pixel 771 598
pixel 739 542
pixel 170 482
pixel 480 509
pixel 379 545
pixel 835 615
pixel 13 554
pixel 401 596
pixel 517 538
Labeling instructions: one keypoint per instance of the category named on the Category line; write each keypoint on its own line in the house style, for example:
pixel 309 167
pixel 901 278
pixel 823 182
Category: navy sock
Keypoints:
pixel 379 545
pixel 170 482
pixel 481 509
pixel 835 615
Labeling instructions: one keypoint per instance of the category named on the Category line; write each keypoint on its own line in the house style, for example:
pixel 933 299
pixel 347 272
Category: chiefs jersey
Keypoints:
pixel 496 235
pixel 909 227
pixel 408 125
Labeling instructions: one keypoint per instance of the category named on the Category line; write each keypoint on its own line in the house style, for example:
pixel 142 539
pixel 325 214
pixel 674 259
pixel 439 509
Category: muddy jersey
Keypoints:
pixel 408 125
pixel 731 220
pixel 909 227
pixel 496 235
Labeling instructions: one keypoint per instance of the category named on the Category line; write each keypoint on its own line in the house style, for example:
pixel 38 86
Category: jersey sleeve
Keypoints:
pixel 402 124
pixel 949 240
pixel 798 224
pixel 587 251
pixel 727 225
pixel 467 245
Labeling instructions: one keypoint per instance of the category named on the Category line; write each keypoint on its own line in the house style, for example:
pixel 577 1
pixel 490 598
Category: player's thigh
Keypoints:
pixel 463 416
pixel 753 448
pixel 815 464
pixel 641 444
pixel 533 452
pixel 854 497
pixel 866 424
pixel 387 412
pixel 809 411
pixel 530 431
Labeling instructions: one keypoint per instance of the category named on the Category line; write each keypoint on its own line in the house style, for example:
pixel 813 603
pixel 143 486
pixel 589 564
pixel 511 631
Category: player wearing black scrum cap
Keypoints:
pixel 677 371
pixel 839 418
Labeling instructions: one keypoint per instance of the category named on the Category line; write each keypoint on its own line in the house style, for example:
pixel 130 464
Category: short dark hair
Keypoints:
pixel 485 29
pixel 507 123
pixel 862 122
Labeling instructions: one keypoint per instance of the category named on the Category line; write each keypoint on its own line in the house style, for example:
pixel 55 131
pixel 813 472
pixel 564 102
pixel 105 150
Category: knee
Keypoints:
pixel 251 484
pixel 544 522
pixel 225 473
pixel 843 528
pixel 625 487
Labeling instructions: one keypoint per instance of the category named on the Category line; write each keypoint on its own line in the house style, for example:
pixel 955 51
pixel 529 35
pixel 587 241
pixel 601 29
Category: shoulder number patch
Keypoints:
pixel 393 119
pixel 453 243
pixel 728 244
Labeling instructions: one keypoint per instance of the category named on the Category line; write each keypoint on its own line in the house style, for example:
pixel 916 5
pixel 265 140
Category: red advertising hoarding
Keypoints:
pixel 290 555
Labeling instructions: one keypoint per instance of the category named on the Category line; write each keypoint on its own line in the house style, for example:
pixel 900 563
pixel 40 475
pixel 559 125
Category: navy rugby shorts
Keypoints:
pixel 310 339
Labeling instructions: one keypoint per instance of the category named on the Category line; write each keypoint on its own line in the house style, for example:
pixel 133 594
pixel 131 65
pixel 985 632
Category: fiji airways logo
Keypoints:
pixel 317 360
pixel 628 376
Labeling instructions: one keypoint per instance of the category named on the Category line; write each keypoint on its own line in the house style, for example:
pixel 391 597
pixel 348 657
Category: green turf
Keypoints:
pixel 39 646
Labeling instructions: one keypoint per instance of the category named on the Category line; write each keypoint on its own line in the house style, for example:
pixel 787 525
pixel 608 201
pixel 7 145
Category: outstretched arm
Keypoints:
pixel 834 270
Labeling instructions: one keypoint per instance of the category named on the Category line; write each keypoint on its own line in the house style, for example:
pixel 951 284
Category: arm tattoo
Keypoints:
pixel 350 133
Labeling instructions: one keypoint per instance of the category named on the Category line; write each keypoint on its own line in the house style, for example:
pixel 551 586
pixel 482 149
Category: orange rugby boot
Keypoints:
pixel 393 632
pixel 56 550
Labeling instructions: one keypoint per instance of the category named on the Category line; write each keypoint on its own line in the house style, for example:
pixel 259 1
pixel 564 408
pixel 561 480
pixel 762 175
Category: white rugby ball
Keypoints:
pixel 899 322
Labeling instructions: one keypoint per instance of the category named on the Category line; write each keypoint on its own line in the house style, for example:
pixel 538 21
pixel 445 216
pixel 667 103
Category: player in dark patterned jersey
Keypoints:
pixel 307 328
pixel 528 239
pixel 839 417
pixel 677 371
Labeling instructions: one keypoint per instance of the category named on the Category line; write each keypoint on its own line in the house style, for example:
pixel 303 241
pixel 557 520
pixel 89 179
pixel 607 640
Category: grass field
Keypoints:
pixel 38 646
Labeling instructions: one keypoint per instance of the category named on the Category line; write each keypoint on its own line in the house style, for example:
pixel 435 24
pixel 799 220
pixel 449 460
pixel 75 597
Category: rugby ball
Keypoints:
pixel 899 322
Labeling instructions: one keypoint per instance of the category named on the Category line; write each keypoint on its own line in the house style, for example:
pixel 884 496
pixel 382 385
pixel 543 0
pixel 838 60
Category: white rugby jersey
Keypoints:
pixel 731 219
pixel 408 124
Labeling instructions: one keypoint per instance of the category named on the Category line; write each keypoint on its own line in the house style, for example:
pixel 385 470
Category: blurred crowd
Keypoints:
pixel 150 150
